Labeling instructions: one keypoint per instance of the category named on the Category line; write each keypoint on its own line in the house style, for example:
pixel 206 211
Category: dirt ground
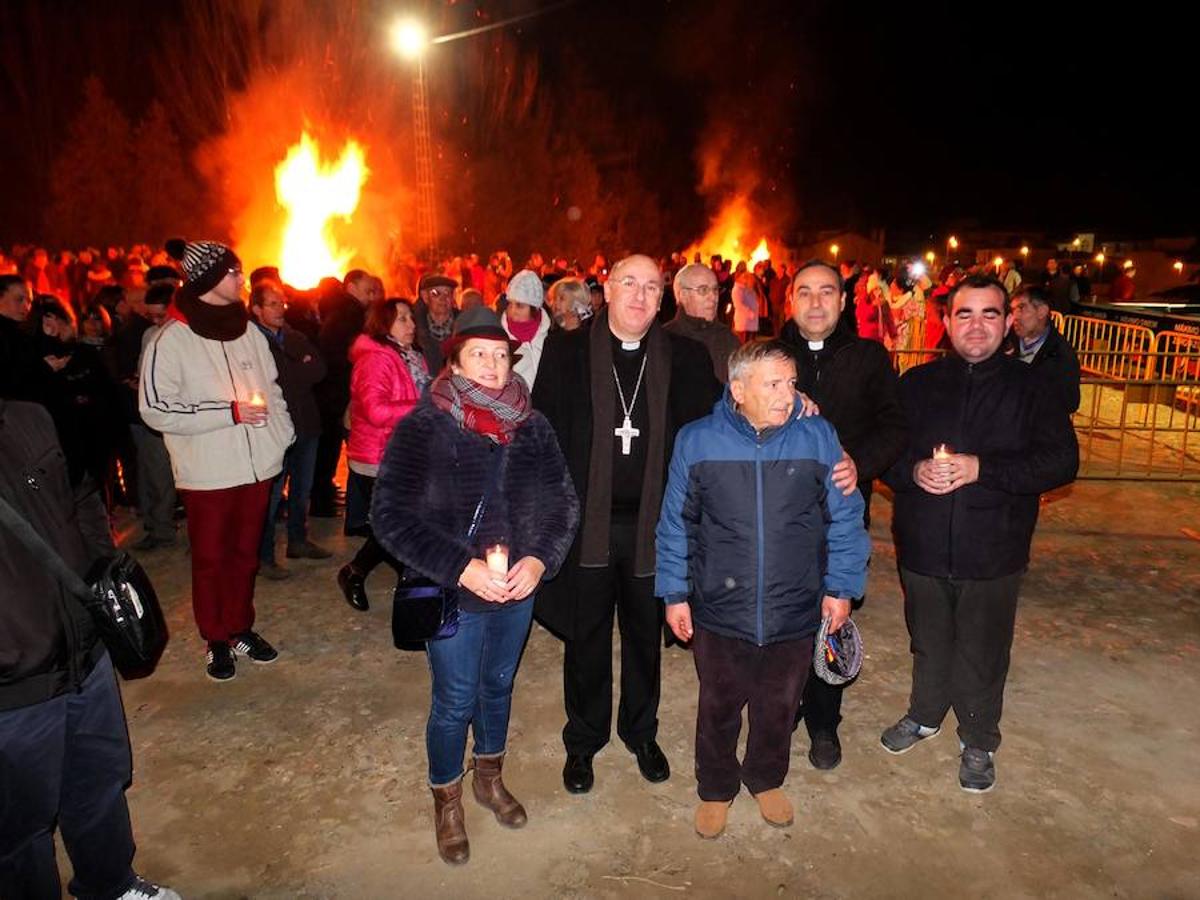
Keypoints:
pixel 306 778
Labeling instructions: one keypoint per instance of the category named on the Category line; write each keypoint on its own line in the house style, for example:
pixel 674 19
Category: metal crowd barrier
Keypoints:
pixel 1110 349
pixel 1138 428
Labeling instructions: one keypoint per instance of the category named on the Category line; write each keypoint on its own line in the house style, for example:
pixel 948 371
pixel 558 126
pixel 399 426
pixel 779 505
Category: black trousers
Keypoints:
pixel 66 762
pixel 821 703
pixel 587 664
pixel 323 498
pixel 962 633
pixel 766 681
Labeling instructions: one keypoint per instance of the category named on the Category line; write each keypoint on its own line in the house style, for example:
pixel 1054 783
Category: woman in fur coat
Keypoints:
pixel 475 425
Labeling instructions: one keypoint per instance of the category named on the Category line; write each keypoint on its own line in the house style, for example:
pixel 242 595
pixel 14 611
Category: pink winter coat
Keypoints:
pixel 382 393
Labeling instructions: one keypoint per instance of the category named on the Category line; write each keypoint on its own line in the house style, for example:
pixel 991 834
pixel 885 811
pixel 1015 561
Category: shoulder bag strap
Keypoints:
pixel 36 544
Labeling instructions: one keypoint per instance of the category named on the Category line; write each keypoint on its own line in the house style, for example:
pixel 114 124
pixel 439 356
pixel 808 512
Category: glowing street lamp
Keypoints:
pixel 1077 243
pixel 1100 259
pixel 998 262
pixel 1177 266
pixel 930 257
pixel 1128 264
pixel 952 243
pixel 834 249
pixel 409 38
pixel 1025 251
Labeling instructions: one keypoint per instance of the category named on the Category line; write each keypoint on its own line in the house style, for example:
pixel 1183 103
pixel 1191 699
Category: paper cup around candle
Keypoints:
pixel 497 558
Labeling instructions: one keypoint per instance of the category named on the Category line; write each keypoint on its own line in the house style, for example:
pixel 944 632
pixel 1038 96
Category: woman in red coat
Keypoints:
pixel 387 380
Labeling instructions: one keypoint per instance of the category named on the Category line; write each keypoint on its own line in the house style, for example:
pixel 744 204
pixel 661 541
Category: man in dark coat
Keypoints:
pixel 63 738
pixel 1034 340
pixel 300 367
pixel 852 381
pixel 434 313
pixel 341 323
pixel 23 374
pixel 696 293
pixel 985 440
pixel 616 391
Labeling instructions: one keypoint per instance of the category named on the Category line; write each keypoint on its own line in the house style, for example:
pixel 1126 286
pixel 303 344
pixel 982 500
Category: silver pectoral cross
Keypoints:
pixel 626 433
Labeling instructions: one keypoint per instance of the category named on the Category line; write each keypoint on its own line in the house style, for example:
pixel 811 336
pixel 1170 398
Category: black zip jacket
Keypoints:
pixel 48 644
pixel 999 411
pixel 853 382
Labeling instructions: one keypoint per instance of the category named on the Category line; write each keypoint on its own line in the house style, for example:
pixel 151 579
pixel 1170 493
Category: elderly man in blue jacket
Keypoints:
pixel 756 545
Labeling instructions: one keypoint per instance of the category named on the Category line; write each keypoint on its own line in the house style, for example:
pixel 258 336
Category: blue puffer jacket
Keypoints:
pixel 752 532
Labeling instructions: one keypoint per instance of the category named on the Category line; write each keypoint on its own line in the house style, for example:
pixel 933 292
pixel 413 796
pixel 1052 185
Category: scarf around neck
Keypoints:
pixel 216 323
pixel 495 413
pixel 594 529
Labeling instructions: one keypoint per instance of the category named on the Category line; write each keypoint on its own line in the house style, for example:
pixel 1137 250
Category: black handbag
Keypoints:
pixel 117 593
pixel 422 609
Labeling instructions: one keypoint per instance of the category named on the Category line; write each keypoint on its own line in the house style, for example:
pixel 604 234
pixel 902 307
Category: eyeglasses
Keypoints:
pixel 652 289
pixel 236 271
pixel 704 290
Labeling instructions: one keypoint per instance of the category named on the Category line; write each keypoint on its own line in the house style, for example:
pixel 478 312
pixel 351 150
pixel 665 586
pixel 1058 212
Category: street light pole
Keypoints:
pixel 426 197
pixel 410 40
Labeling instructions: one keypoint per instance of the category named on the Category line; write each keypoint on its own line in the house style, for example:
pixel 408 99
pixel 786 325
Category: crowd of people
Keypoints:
pixel 675 448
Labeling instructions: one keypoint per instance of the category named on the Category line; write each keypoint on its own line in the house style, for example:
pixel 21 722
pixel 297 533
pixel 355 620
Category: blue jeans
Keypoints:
pixel 66 761
pixel 297 471
pixel 472 676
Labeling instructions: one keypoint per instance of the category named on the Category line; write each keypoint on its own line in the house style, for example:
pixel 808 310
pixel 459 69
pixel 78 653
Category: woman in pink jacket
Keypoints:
pixel 387 380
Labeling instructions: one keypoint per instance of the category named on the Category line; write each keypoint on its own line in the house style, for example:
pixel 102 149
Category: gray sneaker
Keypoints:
pixel 905 735
pixel 977 771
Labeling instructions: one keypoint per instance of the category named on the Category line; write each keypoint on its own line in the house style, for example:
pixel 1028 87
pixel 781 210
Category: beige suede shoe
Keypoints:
pixel 775 808
pixel 711 816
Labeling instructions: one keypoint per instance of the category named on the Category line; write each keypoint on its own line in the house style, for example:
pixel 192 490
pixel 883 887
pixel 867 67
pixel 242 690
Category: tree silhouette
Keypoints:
pixel 92 177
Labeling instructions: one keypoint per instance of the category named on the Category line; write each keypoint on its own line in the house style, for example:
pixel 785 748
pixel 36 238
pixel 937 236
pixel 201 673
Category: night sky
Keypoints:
pixel 916 118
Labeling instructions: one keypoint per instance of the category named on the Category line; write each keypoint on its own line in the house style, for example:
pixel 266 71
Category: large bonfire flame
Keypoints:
pixel 314 194
pixel 731 235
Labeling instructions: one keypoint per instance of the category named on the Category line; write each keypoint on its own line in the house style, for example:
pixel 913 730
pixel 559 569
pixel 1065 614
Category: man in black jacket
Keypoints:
pixel 616 391
pixel 300 367
pixel 1036 341
pixel 852 381
pixel 341 322
pixel 64 747
pixel 985 440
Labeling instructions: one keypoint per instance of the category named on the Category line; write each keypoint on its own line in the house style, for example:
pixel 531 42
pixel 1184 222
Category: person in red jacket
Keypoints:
pixel 389 375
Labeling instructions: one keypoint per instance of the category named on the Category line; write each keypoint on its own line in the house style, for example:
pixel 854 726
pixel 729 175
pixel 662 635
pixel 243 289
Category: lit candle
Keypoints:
pixel 257 399
pixel 497 558
pixel 943 451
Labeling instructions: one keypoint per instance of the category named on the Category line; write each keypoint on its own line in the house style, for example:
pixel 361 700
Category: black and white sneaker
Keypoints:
pixel 141 889
pixel 220 661
pixel 251 644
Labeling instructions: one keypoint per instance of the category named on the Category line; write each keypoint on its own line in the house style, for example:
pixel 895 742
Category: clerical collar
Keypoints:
pixel 816 345
pixel 631 345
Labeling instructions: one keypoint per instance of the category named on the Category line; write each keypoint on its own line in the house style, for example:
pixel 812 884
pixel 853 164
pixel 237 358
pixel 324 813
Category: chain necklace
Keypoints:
pixel 627 432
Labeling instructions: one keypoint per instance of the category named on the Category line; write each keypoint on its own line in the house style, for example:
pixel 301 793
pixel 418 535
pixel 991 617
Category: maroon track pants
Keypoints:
pixel 224 528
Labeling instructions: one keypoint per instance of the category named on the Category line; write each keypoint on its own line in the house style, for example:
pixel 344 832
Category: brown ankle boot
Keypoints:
pixel 490 791
pixel 449 824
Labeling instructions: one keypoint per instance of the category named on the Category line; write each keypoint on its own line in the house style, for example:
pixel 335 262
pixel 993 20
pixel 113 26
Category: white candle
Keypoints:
pixel 257 399
pixel 943 451
pixel 497 558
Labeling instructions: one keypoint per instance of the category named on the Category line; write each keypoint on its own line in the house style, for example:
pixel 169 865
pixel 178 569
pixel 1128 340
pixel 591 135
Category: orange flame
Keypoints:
pixel 730 235
pixel 313 194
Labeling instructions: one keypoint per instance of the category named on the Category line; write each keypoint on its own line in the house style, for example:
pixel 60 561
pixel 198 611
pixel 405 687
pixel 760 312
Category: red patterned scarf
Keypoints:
pixel 496 413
